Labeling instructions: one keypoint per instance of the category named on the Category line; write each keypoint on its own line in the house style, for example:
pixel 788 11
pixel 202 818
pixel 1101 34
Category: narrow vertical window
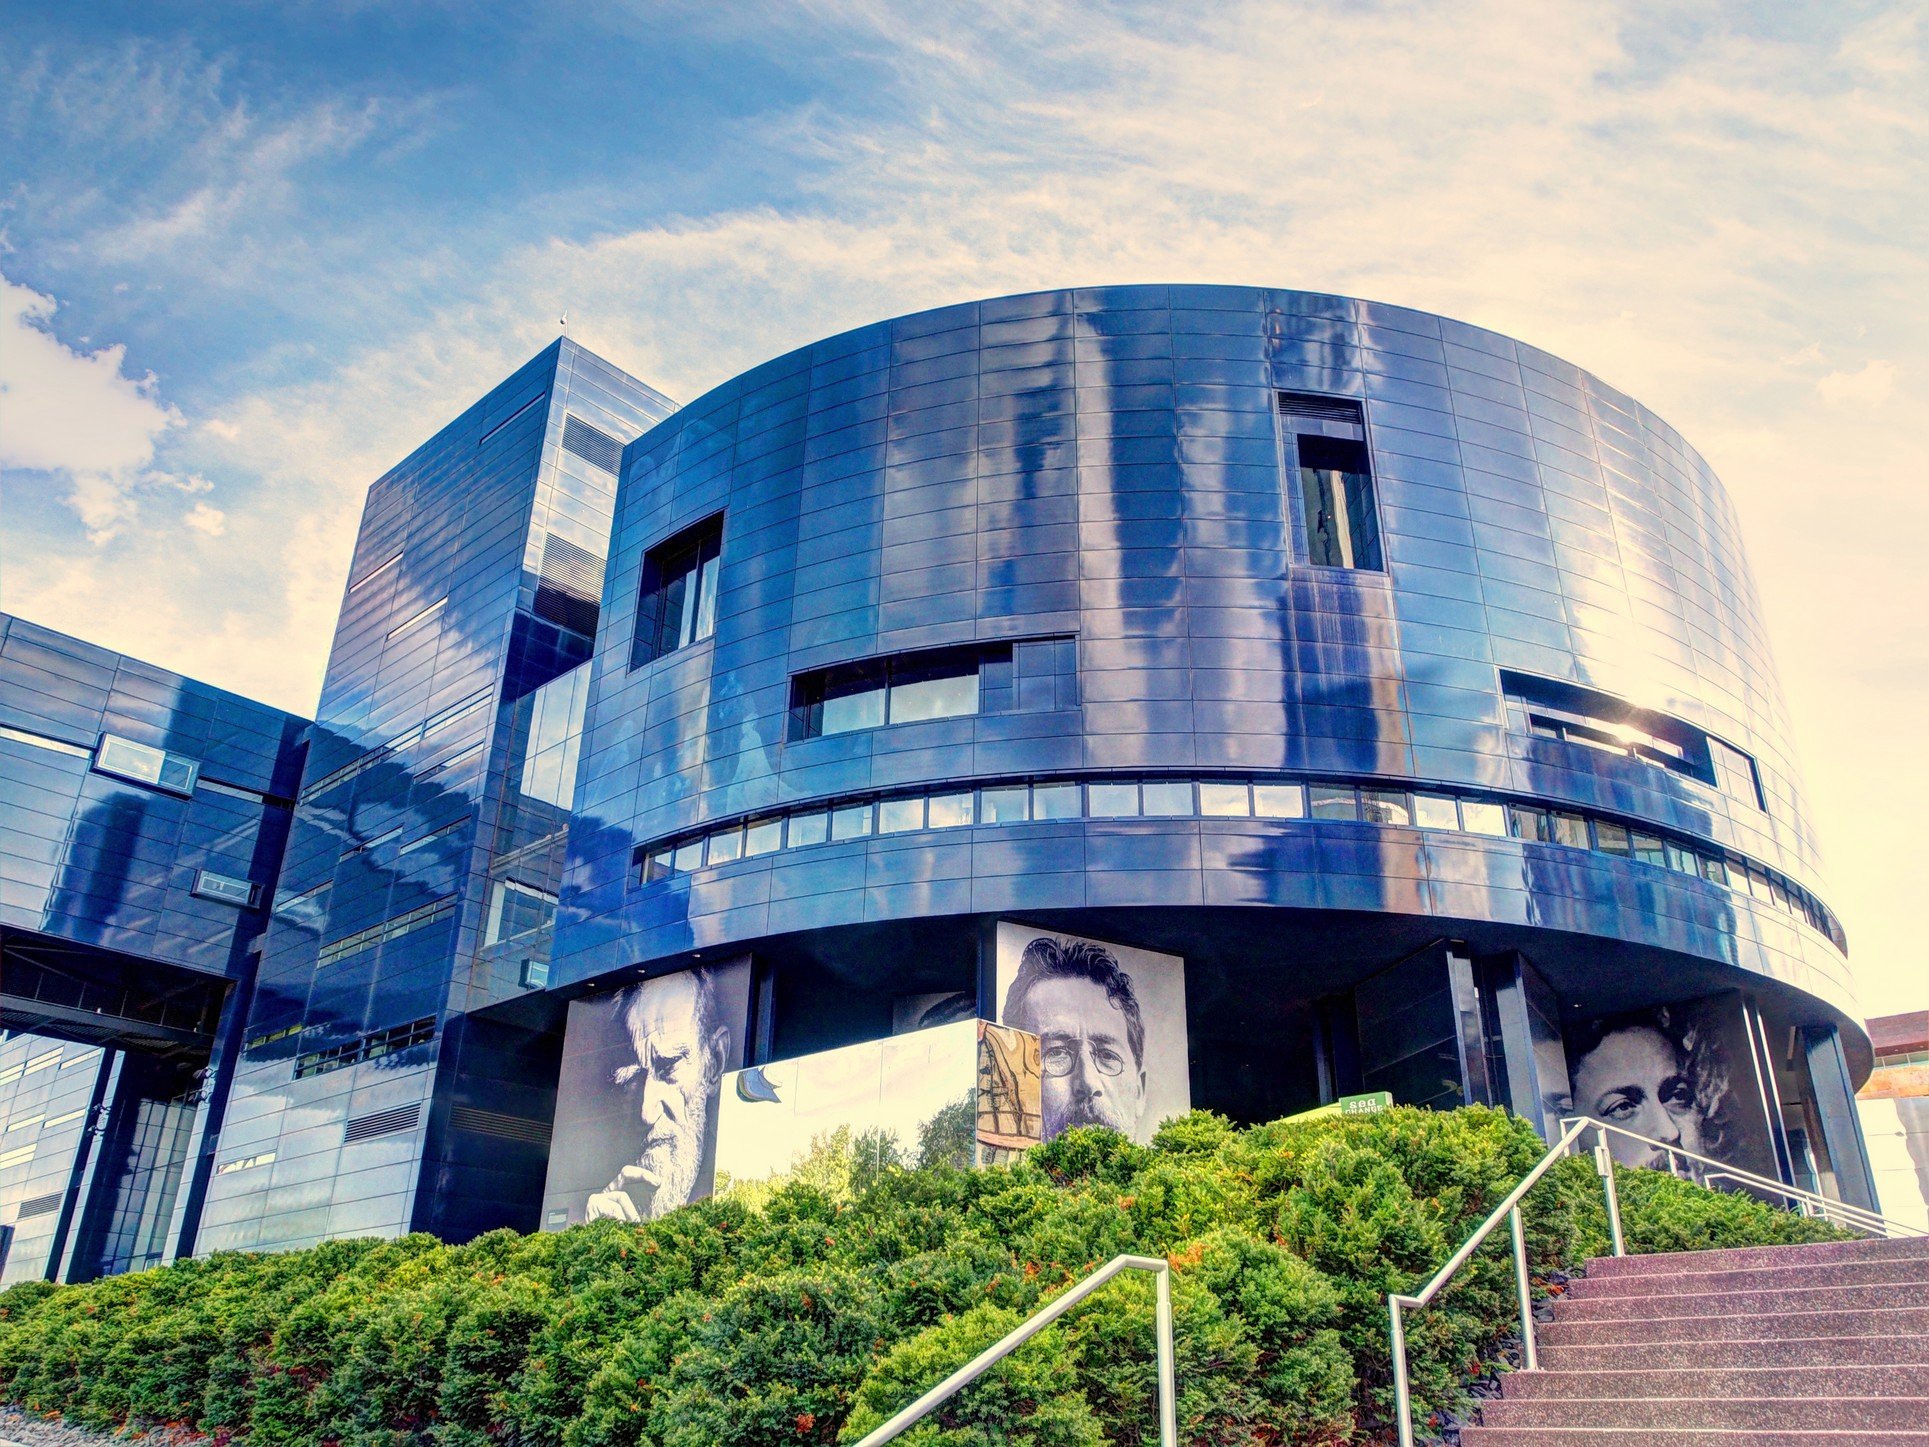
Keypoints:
pixel 1327 440
pixel 678 602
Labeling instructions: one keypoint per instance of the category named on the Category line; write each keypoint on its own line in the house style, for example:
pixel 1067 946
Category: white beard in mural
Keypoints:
pixel 681 1049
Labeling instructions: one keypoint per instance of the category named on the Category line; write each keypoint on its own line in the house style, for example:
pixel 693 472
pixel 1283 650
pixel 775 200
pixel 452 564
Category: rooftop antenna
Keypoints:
pixel 563 321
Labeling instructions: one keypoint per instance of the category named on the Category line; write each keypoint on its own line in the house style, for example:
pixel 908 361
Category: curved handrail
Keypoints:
pixel 1037 1322
pixel 1857 1217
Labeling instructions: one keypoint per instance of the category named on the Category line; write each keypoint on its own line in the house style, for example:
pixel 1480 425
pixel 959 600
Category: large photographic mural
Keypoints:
pixel 1683 1075
pixel 636 1109
pixel 1111 1022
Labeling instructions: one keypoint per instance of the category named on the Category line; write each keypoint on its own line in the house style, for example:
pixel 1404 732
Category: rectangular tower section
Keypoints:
pixel 421 876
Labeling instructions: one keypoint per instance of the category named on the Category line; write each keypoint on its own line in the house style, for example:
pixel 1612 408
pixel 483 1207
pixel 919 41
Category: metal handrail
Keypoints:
pixel 1857 1217
pixel 1037 1322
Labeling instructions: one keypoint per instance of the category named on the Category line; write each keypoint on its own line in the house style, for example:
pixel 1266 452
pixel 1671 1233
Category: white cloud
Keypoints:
pixel 1872 383
pixel 76 415
pixel 209 521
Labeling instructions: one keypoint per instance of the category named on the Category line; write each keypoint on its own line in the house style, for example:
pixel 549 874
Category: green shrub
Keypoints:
pixel 808 1310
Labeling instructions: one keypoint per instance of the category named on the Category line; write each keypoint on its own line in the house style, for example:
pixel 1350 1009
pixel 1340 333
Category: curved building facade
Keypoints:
pixel 1245 699
pixel 1313 641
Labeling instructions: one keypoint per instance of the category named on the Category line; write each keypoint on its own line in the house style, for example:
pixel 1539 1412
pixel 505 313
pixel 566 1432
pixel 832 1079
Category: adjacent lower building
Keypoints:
pixel 1894 1108
pixel 1247 699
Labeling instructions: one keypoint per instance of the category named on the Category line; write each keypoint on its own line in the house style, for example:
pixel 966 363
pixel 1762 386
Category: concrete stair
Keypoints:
pixel 1769 1346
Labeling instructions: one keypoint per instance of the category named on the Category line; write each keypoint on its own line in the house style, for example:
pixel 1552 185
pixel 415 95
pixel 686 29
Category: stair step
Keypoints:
pixel 1750 1325
pixel 1896 1350
pixel 1677 1437
pixel 1739 1303
pixel 1751 1383
pixel 1744 1257
pixel 1797 1277
pixel 1892 1414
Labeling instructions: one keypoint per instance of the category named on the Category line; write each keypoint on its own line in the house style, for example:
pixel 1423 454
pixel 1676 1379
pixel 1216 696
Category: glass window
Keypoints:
pixel 516 910
pixel 950 811
pixel 1385 806
pixel 810 828
pixel 1611 838
pixel 1478 816
pixel 1435 811
pixel 1054 801
pixel 1112 801
pixel 945 688
pixel 1683 861
pixel 689 856
pixel 1571 830
pixel 1758 885
pixel 725 846
pixel 1782 899
pixel 126 759
pixel 1648 849
pixel 1532 825
pixel 1167 799
pixel 660 865
pixel 1279 801
pixel 763 836
pixel 900 816
pixel 1714 869
pixel 851 699
pixel 853 821
pixel 1225 801
pixel 1336 484
pixel 1328 801
pixel 678 602
pixel 1005 806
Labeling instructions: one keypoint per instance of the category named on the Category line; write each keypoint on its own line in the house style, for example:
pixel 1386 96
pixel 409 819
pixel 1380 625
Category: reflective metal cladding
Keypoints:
pixel 1202 544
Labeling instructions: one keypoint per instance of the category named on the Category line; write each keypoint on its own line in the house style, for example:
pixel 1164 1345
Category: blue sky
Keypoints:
pixel 252 253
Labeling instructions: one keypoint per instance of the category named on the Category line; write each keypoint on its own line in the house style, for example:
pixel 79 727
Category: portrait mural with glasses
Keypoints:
pixel 1111 1023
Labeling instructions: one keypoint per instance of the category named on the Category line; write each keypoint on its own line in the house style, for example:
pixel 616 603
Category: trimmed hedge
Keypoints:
pixel 845 1293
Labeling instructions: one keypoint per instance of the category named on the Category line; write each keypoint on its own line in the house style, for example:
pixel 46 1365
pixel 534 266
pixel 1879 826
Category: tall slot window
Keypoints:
pixel 678 603
pixel 1326 437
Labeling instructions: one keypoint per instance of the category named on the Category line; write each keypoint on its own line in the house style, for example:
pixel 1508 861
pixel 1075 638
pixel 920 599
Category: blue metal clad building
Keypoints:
pixel 1406 682
pixel 427 843
pixel 1526 707
pixel 144 824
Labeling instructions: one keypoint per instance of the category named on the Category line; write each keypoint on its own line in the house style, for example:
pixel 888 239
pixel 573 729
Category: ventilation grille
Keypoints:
pixel 495 1123
pixel 593 445
pixel 382 1122
pixel 1316 408
pixel 40 1205
pixel 571 586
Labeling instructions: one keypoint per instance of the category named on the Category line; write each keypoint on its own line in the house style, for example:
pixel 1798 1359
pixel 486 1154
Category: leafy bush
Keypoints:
pixel 811 1309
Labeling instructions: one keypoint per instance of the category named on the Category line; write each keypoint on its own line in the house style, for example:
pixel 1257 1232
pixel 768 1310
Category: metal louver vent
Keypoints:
pixel 592 444
pixel 571 587
pixel 382 1122
pixel 1321 408
pixel 40 1205
pixel 495 1123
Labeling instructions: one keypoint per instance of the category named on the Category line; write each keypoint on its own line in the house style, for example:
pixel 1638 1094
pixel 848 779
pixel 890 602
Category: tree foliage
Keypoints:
pixel 811 1308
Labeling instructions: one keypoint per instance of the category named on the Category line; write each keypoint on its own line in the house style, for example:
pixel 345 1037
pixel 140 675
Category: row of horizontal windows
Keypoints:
pixel 1166 798
pixel 372 1046
pixel 389 929
pixel 414 734
pixel 139 763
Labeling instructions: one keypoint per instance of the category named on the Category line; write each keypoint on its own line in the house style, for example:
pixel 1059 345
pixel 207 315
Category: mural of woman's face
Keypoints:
pixel 1636 1078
